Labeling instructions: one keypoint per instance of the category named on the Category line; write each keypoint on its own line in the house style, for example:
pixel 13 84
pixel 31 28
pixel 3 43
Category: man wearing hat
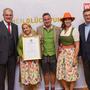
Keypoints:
pixel 67 66
pixel 84 30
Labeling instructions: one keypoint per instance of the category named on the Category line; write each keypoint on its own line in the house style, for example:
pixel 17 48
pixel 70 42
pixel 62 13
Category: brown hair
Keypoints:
pixel 46 14
pixel 86 10
pixel 63 26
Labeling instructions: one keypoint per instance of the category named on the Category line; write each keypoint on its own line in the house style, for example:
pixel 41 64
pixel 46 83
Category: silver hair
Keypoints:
pixel 9 9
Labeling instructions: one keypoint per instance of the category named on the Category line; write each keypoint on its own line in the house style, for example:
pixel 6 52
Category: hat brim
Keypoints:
pixel 72 18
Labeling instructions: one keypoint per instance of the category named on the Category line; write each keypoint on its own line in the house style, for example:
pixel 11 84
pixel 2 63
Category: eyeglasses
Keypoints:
pixel 86 15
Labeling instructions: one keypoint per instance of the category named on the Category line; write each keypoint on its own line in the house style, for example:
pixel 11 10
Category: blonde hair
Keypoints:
pixel 26 24
pixel 32 31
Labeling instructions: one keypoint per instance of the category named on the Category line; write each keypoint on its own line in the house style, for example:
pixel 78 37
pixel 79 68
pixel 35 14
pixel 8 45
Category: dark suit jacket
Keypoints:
pixel 4 41
pixel 84 45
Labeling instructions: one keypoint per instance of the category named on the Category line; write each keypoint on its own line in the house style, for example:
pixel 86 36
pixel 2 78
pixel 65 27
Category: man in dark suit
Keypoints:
pixel 8 51
pixel 84 30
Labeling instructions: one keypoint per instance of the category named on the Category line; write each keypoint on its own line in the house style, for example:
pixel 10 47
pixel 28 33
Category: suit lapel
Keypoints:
pixel 83 33
pixel 4 29
pixel 88 38
pixel 13 32
pixel 4 26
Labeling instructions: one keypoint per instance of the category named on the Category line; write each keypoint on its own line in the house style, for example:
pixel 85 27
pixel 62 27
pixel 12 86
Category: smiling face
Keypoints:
pixel 26 29
pixel 86 15
pixel 47 20
pixel 8 15
pixel 68 22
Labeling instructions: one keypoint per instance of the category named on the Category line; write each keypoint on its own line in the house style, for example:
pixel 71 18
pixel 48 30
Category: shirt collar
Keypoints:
pixel 87 24
pixel 51 27
pixel 6 23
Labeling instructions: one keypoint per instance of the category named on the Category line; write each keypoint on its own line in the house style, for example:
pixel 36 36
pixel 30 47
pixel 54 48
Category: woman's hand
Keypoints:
pixel 75 61
pixel 18 59
pixel 59 50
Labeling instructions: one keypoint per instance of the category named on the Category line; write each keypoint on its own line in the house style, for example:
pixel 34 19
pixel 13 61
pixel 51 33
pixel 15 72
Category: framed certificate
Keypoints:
pixel 31 48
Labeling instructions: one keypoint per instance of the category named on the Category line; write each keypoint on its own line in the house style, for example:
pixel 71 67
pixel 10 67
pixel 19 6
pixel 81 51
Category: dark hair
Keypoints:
pixel 46 14
pixel 63 26
pixel 86 10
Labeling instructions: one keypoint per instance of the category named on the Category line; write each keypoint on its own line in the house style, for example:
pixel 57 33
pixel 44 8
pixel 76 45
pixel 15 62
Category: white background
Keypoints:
pixel 35 8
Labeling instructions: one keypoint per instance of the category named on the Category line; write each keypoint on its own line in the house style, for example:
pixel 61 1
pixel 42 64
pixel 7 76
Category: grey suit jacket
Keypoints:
pixel 4 41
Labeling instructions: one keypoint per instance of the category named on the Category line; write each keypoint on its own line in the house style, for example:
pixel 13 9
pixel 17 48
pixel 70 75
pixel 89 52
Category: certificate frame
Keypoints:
pixel 31 48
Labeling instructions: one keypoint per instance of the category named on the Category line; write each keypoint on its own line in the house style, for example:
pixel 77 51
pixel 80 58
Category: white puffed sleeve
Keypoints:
pixel 75 35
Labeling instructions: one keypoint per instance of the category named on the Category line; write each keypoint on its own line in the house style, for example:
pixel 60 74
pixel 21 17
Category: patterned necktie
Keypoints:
pixel 9 27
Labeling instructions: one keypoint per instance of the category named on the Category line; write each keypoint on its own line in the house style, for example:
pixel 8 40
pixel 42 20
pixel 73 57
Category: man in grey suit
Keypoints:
pixel 8 51
pixel 84 30
pixel 49 35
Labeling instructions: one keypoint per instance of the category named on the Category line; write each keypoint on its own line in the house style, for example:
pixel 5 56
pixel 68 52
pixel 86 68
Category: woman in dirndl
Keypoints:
pixel 67 63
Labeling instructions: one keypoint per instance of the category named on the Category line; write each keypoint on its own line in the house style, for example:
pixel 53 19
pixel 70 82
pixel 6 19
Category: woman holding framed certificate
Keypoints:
pixel 29 69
